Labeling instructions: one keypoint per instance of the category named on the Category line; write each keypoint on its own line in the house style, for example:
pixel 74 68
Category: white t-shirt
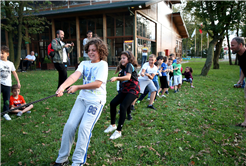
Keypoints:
pixel 149 70
pixel 6 67
pixel 90 73
pixel 84 43
pixel 31 57
pixel 64 53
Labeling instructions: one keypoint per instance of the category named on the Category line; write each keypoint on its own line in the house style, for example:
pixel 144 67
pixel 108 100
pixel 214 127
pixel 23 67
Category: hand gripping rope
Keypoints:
pixel 26 105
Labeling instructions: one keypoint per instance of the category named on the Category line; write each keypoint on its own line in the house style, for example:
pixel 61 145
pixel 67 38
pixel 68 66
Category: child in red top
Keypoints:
pixel 17 100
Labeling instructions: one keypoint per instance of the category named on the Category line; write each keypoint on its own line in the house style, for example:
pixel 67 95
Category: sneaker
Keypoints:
pixel 138 101
pixel 158 95
pixel 192 86
pixel 167 92
pixel 115 135
pixel 171 87
pixel 163 96
pixel 129 117
pixel 151 106
pixel 6 116
pixel 148 98
pixel 110 129
pixel 175 91
pixel 28 112
pixel 132 107
pixel 19 113
pixel 62 164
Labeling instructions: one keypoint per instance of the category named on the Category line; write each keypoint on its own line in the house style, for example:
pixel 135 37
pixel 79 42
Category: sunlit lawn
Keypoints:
pixel 192 127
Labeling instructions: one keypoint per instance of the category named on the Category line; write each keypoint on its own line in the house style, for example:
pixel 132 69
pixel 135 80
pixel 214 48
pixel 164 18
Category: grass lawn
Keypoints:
pixel 192 127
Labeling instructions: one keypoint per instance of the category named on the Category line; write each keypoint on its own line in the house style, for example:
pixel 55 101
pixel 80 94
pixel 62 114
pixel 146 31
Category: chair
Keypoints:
pixel 31 67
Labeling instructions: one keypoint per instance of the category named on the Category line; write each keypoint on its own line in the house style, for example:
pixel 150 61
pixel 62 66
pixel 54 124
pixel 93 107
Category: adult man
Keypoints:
pixel 61 55
pixel 237 46
pixel 27 61
pixel 144 54
pixel 89 36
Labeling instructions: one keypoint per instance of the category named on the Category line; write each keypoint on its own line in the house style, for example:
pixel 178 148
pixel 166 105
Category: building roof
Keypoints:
pixel 113 5
pixel 178 21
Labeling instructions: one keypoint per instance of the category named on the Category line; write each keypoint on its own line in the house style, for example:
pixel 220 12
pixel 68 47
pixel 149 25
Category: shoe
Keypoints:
pixel 28 112
pixel 132 107
pixel 115 135
pixel 6 116
pixel 175 91
pixel 151 106
pixel 163 96
pixel 19 113
pixel 129 117
pixel 138 101
pixel 171 87
pixel 148 98
pixel 23 71
pixel 110 129
pixel 167 92
pixel 192 86
pixel 62 164
pixel 158 95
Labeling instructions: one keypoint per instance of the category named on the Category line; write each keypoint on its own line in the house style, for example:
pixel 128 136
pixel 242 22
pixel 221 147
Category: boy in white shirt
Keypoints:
pixel 6 82
pixel 148 72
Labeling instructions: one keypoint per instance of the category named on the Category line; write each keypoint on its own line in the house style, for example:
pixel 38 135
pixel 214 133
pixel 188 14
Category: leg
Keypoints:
pixel 146 91
pixel 62 70
pixel 28 63
pixel 27 108
pixel 69 130
pixel 152 89
pixel 91 115
pixel 6 95
pixel 113 104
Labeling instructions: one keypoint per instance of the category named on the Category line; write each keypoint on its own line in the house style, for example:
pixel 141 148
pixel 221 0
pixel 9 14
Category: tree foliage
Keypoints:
pixel 19 17
pixel 216 17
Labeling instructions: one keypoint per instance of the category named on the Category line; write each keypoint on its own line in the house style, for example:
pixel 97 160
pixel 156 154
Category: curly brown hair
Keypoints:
pixel 131 59
pixel 100 46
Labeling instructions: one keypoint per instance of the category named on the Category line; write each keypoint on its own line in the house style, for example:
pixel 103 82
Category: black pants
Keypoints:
pixel 125 100
pixel 25 62
pixel 62 70
pixel 5 90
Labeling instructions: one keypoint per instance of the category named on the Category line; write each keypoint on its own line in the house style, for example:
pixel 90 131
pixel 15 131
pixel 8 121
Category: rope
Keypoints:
pixel 26 105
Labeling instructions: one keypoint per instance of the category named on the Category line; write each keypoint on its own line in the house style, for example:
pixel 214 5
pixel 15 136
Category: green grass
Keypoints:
pixel 192 127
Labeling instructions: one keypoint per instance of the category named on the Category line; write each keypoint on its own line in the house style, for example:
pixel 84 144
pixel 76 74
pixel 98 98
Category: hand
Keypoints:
pixel 72 44
pixel 59 92
pixel 72 89
pixel 19 85
pixel 240 82
pixel 67 45
pixel 113 79
pixel 142 74
pixel 147 74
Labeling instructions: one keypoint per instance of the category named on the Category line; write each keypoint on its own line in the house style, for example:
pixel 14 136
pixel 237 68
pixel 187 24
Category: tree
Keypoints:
pixel 17 18
pixel 216 16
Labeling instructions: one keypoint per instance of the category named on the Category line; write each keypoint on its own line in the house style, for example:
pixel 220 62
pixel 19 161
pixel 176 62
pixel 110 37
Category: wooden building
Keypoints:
pixel 116 22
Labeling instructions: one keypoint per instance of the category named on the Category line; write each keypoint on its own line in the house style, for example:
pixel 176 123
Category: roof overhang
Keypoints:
pixel 175 1
pixel 107 6
pixel 178 21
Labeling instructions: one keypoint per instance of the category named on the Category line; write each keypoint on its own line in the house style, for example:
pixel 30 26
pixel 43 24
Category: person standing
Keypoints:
pixel 27 61
pixel 144 54
pixel 61 55
pixel 85 41
pixel 237 46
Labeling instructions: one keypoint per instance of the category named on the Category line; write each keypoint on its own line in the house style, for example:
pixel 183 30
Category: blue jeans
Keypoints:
pixel 144 59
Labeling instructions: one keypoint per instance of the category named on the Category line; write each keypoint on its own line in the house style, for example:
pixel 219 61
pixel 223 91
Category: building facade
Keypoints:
pixel 122 25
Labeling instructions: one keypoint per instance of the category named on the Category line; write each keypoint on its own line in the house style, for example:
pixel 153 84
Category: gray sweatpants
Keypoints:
pixel 85 115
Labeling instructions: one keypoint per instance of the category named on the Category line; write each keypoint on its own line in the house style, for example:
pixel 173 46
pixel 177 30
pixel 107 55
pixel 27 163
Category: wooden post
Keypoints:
pixel 104 28
pixel 7 38
pixel 135 35
pixel 53 30
pixel 27 45
pixel 78 38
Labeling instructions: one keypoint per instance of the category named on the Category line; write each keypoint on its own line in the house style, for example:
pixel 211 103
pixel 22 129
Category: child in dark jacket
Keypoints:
pixel 188 76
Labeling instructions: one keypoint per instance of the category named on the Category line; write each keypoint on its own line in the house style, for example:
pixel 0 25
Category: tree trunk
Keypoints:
pixel 217 54
pixel 229 47
pixel 210 55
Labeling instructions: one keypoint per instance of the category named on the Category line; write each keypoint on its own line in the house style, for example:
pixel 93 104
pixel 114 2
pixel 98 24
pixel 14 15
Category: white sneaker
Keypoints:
pixel 19 113
pixel 28 112
pixel 158 95
pixel 6 116
pixel 163 96
pixel 110 129
pixel 148 98
pixel 115 135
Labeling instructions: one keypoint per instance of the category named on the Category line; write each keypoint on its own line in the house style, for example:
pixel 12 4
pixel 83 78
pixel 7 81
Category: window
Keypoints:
pixel 145 27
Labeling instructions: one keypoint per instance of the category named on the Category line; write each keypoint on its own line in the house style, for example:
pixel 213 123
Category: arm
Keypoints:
pixel 142 72
pixel 150 76
pixel 17 79
pixel 56 46
pixel 124 78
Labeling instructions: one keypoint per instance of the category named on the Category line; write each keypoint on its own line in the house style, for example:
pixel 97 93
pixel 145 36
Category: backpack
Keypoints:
pixel 51 52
